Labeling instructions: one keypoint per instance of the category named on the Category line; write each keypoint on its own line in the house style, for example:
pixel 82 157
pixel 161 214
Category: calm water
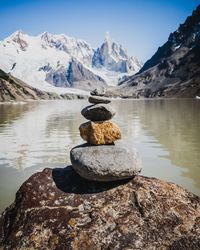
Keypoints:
pixel 40 134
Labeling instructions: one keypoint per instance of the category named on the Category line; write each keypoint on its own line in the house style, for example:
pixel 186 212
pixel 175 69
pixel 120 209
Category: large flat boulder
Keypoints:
pixel 105 162
pixel 57 209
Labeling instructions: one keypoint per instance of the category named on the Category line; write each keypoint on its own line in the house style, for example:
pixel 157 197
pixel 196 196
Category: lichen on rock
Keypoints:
pixel 100 133
pixel 57 209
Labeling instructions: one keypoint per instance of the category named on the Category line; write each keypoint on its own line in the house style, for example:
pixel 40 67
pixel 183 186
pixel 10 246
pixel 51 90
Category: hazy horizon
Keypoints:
pixel 140 27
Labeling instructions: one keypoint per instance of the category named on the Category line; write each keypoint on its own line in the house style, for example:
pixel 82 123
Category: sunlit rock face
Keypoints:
pixel 57 209
pixel 114 57
pixel 76 76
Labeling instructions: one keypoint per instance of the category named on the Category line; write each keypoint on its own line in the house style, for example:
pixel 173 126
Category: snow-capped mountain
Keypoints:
pixel 49 60
pixel 114 57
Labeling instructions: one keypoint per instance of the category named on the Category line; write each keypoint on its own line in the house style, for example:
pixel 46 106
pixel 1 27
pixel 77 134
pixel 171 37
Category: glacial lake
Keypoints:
pixel 37 135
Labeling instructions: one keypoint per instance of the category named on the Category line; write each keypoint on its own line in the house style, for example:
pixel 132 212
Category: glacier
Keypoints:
pixel 63 64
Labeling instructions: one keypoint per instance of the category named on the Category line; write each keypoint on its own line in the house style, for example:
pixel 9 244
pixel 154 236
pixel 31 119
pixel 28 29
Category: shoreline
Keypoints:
pixel 112 98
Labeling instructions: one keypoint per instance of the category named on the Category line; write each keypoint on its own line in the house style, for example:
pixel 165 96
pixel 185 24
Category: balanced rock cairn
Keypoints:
pixel 100 159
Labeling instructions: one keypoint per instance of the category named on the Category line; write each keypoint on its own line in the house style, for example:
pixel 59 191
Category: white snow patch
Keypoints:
pixel 23 56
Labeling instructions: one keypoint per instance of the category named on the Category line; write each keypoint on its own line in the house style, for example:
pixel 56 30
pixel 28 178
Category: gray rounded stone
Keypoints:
pixel 98 99
pixel 105 162
pixel 98 112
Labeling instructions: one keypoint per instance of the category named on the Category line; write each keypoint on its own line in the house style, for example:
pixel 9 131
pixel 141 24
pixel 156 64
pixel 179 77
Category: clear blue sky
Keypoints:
pixel 140 25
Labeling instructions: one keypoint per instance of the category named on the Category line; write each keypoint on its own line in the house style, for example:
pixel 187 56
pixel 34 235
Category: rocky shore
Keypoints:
pixel 15 90
pixel 57 209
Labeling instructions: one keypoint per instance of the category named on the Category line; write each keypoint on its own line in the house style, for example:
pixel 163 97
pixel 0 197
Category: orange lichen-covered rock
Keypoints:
pixel 100 133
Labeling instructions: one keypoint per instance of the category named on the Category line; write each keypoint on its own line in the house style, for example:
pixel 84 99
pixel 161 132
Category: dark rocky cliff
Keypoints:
pixel 57 209
pixel 186 35
pixel 174 70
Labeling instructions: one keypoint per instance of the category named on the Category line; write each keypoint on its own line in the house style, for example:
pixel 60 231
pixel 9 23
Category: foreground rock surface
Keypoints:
pixel 57 209
pixel 105 162
pixel 99 133
pixel 98 112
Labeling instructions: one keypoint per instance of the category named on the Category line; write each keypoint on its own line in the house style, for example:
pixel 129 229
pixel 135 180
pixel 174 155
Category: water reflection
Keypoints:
pixel 40 134
pixel 171 126
pixel 10 112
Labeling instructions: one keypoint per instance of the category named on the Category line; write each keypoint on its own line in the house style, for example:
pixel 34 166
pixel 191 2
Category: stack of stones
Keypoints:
pixel 101 159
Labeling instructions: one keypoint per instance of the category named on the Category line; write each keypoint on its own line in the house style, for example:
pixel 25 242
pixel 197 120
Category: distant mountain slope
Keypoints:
pixel 76 76
pixel 13 89
pixel 63 61
pixel 174 70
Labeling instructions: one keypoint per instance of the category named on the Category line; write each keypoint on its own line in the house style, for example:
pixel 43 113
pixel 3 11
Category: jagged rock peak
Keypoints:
pixel 18 38
pixel 108 37
pixel 114 57
pixel 17 33
pixel 47 57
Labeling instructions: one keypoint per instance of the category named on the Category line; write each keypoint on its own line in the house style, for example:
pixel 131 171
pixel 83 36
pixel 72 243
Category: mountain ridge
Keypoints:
pixel 176 40
pixel 174 70
pixel 34 58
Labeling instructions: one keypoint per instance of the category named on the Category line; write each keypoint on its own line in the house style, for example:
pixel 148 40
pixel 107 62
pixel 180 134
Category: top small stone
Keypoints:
pixel 97 92
pixel 98 99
